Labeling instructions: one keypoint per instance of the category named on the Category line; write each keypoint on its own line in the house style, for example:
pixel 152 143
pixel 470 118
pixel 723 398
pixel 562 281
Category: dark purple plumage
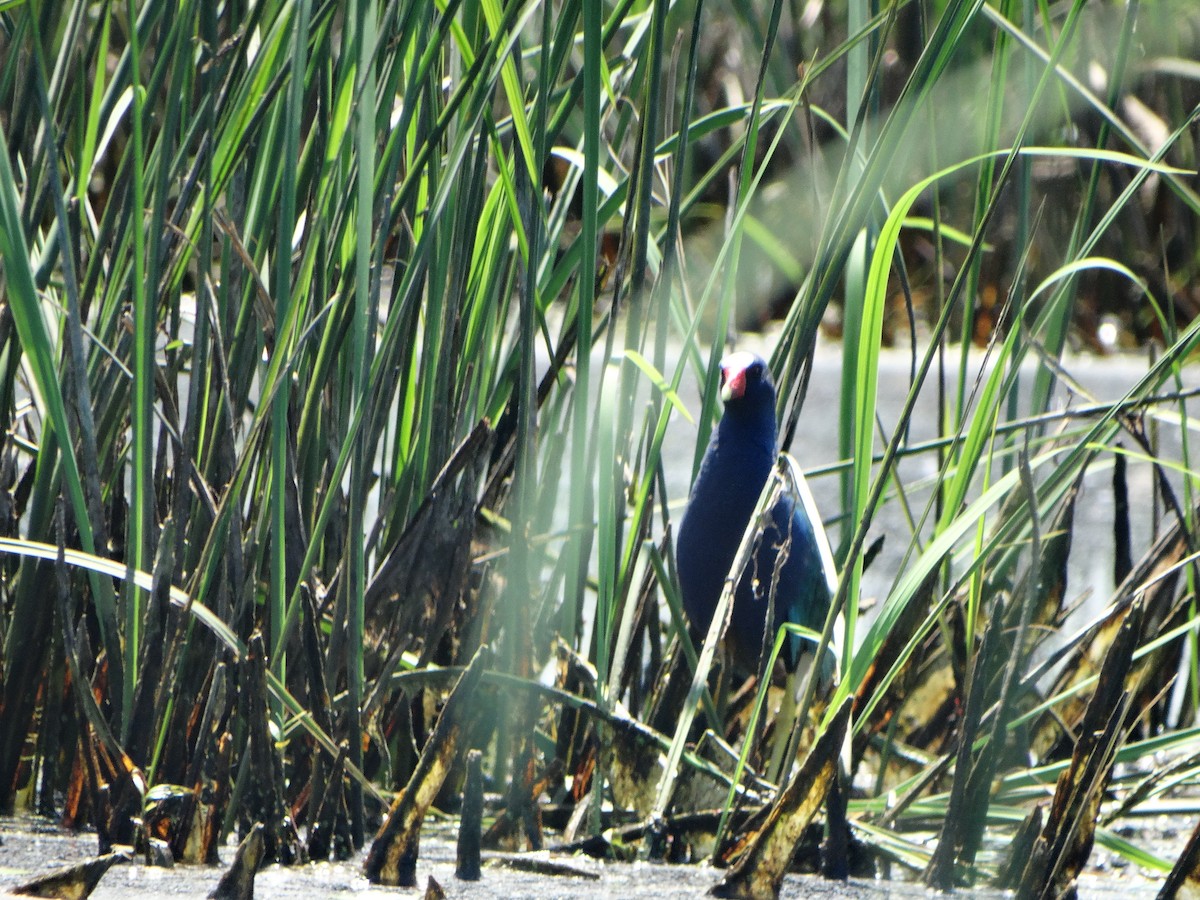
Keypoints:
pixel 736 465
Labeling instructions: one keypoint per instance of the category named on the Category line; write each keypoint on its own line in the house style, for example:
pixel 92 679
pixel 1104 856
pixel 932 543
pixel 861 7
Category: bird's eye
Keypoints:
pixel 754 372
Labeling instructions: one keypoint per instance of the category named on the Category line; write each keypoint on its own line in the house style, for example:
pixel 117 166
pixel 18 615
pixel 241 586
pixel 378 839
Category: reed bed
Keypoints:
pixel 338 346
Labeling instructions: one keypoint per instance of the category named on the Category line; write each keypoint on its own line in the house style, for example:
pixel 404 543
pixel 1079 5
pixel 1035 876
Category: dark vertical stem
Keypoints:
pixel 470 827
pixel 1122 553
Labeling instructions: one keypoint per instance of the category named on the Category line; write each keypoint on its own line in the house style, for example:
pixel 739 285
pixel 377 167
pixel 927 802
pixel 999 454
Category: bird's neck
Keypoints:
pixel 752 430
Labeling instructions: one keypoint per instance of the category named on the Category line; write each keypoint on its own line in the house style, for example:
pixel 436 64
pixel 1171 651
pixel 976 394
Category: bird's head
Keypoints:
pixel 746 381
pixel 749 395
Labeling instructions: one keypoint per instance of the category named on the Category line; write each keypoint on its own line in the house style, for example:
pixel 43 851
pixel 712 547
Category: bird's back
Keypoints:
pixel 801 588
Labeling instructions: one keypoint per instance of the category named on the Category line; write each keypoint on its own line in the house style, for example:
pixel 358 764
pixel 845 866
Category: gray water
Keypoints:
pixel 32 847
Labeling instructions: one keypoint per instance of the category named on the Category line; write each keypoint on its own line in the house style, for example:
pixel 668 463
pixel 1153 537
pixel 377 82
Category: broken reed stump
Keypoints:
pixel 758 872
pixel 73 882
pixel 433 890
pixel 238 881
pixel 329 829
pixel 392 859
pixel 1184 880
pixel 329 821
pixel 470 822
pixel 518 826
pixel 1061 850
pixel 264 792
